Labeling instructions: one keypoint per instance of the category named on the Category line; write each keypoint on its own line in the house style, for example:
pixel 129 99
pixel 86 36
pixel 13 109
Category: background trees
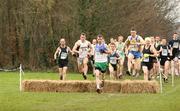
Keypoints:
pixel 30 29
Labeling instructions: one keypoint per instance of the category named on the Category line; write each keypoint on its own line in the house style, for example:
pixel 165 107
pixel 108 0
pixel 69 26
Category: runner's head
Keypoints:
pixel 163 41
pixel 157 39
pixel 175 36
pixel 113 46
pixel 62 42
pixel 148 40
pixel 111 40
pixel 83 37
pixel 100 39
pixel 133 32
pixel 152 39
pixel 120 38
pixel 94 41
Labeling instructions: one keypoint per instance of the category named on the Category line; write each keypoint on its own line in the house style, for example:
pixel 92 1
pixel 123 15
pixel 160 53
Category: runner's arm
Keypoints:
pixel 153 50
pixel 69 49
pixel 170 50
pixel 160 50
pixel 55 54
pixel 90 48
pixel 107 51
pixel 142 42
pixel 126 43
pixel 75 48
pixel 126 46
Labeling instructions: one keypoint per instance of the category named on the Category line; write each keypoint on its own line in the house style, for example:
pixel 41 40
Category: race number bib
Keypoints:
pixel 63 55
pixel 133 46
pixel 164 52
pixel 99 57
pixel 83 54
pixel 175 45
pixel 84 49
pixel 146 59
pixel 113 60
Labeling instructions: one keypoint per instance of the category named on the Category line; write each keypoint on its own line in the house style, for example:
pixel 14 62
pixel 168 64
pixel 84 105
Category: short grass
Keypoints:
pixel 13 100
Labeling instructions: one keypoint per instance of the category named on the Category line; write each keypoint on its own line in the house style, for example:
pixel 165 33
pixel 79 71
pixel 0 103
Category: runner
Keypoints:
pixel 61 56
pixel 101 62
pixel 147 60
pixel 154 59
pixel 157 42
pixel 83 52
pixel 133 44
pixel 121 53
pixel 113 61
pixel 165 53
pixel 174 44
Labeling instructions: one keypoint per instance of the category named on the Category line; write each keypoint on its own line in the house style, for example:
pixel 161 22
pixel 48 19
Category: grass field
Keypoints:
pixel 13 100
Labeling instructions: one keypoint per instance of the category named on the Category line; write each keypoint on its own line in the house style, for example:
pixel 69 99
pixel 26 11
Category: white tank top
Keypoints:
pixel 83 49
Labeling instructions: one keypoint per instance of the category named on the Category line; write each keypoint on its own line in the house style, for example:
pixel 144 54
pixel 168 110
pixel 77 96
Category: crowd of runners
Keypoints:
pixel 152 55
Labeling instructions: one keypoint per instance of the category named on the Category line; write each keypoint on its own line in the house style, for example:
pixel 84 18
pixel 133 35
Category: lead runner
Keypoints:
pixel 101 62
pixel 84 52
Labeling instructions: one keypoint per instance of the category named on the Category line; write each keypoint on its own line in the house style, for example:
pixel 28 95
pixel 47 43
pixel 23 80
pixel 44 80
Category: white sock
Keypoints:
pixel 134 72
pixel 98 86
pixel 85 73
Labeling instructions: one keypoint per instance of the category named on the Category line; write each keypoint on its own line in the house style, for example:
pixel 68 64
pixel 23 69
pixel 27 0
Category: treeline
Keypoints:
pixel 30 29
